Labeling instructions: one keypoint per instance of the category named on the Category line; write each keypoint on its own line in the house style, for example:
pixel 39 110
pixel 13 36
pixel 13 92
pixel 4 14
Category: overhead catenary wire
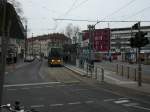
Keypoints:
pixel 118 10
pixel 138 12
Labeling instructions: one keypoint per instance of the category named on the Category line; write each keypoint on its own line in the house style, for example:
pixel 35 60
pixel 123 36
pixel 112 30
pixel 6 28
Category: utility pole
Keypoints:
pixel 3 49
pixel 26 44
pixel 91 36
pixel 32 44
pixel 139 60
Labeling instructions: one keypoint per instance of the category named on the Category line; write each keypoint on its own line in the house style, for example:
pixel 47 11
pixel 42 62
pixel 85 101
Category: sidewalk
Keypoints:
pixel 112 78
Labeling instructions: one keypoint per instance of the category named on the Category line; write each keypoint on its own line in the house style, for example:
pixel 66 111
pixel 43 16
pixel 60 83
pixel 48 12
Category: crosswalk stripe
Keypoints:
pixel 121 101
pixel 130 104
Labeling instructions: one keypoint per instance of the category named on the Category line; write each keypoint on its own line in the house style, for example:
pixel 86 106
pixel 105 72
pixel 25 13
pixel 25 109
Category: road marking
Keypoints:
pixel 74 103
pixel 11 89
pixel 25 88
pixel 54 105
pixel 130 104
pixel 88 102
pixel 38 87
pixel 6 73
pixel 48 86
pixel 36 106
pixel 108 100
pixel 122 98
pixel 139 107
pixel 31 84
pixel 121 101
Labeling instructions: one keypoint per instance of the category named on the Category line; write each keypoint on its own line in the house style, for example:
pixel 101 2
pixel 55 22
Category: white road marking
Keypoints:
pixel 6 73
pixel 48 86
pixel 143 108
pixel 38 87
pixel 122 98
pixel 31 84
pixel 89 102
pixel 25 88
pixel 107 100
pixel 11 89
pixel 74 103
pixel 121 101
pixel 130 104
pixel 36 106
pixel 54 105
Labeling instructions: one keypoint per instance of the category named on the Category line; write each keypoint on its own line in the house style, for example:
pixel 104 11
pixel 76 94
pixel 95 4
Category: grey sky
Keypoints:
pixel 40 13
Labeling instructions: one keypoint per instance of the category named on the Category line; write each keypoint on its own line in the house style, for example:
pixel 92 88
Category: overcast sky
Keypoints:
pixel 41 13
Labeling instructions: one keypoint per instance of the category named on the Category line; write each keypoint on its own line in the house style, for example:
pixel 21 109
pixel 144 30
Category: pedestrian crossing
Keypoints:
pixel 123 101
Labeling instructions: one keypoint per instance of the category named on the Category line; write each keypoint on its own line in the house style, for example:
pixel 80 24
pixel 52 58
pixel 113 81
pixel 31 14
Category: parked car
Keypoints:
pixel 28 59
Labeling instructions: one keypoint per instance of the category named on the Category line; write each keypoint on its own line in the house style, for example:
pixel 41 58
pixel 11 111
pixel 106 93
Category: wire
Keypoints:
pixel 118 10
pixel 80 4
pixel 140 11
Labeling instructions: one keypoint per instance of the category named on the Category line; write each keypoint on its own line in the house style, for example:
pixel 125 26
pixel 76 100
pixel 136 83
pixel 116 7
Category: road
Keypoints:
pixel 56 89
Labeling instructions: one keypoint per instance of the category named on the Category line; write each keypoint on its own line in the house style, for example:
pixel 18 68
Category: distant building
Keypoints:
pixel 41 44
pixel 120 42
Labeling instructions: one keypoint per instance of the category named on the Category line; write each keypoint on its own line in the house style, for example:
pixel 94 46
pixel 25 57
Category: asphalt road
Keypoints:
pixel 56 89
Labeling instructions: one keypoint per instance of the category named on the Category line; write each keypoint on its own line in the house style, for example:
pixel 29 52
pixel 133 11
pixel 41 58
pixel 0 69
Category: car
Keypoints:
pixel 28 59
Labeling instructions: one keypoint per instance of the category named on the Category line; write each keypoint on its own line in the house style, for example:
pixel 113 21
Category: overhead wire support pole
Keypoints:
pixel 3 49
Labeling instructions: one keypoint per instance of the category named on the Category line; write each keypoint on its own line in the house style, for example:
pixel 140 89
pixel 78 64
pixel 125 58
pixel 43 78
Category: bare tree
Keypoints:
pixel 69 30
pixel 76 30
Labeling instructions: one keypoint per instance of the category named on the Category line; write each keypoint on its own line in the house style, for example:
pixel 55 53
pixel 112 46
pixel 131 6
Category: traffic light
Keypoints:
pixel 139 40
pixel 136 26
pixel 132 42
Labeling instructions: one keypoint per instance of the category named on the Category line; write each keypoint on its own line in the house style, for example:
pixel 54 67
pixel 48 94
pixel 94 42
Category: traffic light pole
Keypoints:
pixel 91 35
pixel 3 51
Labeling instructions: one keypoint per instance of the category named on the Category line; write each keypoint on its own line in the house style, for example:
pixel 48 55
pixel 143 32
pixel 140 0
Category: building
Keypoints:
pixel 100 44
pixel 120 43
pixel 41 44
pixel 13 31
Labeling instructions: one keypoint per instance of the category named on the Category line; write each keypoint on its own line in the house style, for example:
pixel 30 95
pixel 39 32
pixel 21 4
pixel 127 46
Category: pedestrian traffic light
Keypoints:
pixel 139 40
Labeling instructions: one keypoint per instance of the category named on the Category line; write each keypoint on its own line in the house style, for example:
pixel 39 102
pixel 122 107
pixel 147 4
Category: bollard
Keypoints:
pixel 128 72
pixel 102 74
pixel 96 72
pixel 122 70
pixel 135 74
pixel 87 69
pixel 117 68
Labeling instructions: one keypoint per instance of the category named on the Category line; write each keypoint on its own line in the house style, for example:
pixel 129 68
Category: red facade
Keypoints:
pixel 101 40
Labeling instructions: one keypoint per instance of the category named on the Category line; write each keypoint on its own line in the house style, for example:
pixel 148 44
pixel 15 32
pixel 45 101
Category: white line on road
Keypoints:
pixel 121 101
pixel 11 89
pixel 31 84
pixel 36 106
pixel 74 103
pixel 25 88
pixel 143 108
pixel 89 102
pixel 130 104
pixel 38 87
pixel 54 105
pixel 122 98
pixel 108 100
pixel 48 86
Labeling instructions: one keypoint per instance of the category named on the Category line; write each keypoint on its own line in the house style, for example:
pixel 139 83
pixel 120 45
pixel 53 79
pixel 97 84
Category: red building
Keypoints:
pixel 101 40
